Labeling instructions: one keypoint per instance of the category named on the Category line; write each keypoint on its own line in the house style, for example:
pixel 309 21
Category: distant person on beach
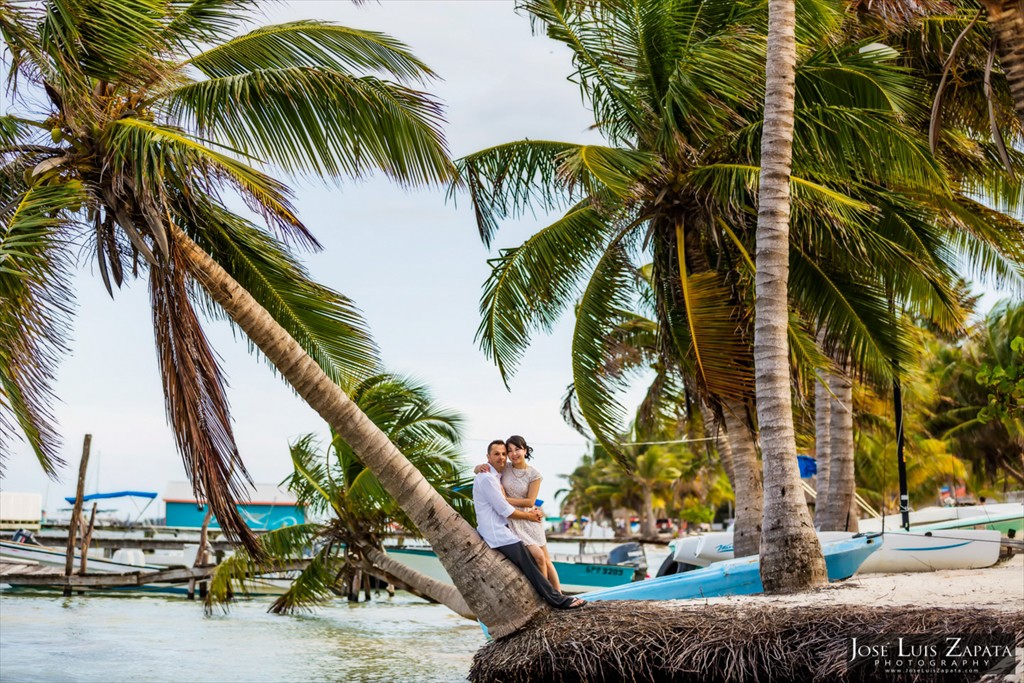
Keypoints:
pixel 493 515
pixel 520 483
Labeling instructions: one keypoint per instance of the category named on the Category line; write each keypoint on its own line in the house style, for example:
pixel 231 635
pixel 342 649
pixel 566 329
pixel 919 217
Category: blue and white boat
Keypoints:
pixel 737 577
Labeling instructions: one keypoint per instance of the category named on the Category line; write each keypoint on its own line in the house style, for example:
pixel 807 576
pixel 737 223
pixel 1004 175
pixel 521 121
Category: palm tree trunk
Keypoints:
pixel 1006 20
pixel 649 529
pixel 421 584
pixel 841 513
pixel 493 588
pixel 713 429
pixel 746 486
pixel 822 415
pixel 791 556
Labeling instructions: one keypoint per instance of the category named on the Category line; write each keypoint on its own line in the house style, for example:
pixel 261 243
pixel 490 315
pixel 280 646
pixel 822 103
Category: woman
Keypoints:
pixel 521 484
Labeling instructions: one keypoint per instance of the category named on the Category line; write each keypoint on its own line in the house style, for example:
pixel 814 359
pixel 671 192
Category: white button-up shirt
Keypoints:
pixel 492 510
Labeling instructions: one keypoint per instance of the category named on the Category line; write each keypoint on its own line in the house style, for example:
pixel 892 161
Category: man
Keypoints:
pixel 492 515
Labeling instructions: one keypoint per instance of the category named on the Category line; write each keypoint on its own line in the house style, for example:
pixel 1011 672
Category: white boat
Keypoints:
pixel 935 515
pixel 53 557
pixel 125 560
pixel 900 551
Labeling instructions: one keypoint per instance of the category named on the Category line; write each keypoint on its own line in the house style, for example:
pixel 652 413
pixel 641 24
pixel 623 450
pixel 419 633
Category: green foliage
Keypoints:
pixel 1005 386
pixel 148 120
pixel 356 511
pixel 879 224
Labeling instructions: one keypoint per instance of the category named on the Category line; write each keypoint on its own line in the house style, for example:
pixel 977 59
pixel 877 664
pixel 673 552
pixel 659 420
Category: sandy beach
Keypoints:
pixel 999 587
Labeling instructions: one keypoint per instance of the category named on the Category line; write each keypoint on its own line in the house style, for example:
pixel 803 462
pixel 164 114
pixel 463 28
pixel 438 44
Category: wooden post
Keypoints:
pixel 353 586
pixel 366 587
pixel 69 563
pixel 86 540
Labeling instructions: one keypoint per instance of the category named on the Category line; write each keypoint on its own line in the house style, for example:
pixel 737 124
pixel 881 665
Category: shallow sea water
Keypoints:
pixel 46 637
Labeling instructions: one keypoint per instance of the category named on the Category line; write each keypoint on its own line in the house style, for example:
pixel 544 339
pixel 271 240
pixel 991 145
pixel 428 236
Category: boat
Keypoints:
pixel 928 517
pixel 622 565
pixel 125 560
pixel 919 550
pixel 737 577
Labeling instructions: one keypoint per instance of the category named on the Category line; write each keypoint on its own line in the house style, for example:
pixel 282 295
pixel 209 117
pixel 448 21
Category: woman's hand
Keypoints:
pixel 479 469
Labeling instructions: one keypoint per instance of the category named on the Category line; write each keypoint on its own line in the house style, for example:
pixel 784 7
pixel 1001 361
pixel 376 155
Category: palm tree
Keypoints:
pixel 791 556
pixel 151 117
pixel 358 509
pixel 676 186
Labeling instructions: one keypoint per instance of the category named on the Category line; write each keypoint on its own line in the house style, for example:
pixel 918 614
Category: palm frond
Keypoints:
pixel 35 312
pixel 314 45
pixel 192 22
pixel 197 407
pixel 597 315
pixel 531 285
pixel 325 323
pixel 277 547
pixel 314 586
pixel 856 314
pixel 505 180
pixel 156 156
pixel 320 121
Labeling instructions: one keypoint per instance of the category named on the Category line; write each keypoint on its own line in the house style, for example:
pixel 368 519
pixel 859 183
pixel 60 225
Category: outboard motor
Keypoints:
pixel 24 536
pixel 628 553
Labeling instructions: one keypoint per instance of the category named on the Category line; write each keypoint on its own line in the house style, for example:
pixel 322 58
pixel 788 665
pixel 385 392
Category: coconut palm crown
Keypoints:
pixel 676 89
pixel 135 128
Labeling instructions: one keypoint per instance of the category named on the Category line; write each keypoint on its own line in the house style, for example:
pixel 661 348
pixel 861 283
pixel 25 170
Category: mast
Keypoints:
pixel 897 398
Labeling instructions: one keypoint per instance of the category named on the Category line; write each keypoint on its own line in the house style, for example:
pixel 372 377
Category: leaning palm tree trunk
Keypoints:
pixel 425 586
pixel 1006 20
pixel 822 416
pixel 840 510
pixel 791 556
pixel 746 484
pixel 492 587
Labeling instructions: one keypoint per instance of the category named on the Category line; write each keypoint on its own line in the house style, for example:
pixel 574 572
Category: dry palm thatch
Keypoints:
pixel 641 641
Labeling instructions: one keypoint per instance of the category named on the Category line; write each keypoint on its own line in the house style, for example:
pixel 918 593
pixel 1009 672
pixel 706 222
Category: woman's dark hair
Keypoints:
pixel 519 442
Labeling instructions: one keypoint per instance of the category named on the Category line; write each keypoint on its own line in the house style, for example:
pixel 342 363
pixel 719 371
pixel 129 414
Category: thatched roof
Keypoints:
pixel 650 641
pixel 897 13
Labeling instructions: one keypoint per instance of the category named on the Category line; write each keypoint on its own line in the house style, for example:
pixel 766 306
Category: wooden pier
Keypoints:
pixel 22 574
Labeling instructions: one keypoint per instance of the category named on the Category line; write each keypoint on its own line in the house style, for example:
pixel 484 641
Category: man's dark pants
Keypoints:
pixel 521 558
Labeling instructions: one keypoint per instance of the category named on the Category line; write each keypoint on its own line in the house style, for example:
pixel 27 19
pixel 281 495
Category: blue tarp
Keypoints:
pixel 115 494
pixel 808 466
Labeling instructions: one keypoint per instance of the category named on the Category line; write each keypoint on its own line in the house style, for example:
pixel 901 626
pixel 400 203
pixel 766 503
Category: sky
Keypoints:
pixel 412 262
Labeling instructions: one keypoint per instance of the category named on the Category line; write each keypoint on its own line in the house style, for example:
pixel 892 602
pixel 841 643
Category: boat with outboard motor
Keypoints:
pixel 624 564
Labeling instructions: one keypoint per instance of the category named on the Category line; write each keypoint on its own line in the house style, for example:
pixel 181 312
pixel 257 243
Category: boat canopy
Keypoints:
pixel 114 494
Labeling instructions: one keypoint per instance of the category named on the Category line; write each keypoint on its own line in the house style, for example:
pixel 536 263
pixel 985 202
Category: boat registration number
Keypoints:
pixel 604 570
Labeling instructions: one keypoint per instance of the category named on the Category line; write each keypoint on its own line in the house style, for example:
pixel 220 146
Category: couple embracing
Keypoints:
pixel 504 492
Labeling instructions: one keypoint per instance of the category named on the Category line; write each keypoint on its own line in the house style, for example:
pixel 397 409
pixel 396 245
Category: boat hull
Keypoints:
pixel 916 551
pixel 575 577
pixel 736 577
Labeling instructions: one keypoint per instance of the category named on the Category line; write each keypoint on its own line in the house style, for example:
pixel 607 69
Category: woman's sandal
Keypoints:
pixel 576 603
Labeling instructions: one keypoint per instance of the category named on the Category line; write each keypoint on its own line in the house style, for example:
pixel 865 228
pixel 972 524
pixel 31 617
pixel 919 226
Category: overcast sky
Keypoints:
pixel 412 262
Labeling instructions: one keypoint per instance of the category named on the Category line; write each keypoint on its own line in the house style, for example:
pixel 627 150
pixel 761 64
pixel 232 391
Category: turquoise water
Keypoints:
pixel 45 637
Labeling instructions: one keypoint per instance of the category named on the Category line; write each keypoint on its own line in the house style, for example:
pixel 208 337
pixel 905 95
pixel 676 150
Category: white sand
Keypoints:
pixel 998 587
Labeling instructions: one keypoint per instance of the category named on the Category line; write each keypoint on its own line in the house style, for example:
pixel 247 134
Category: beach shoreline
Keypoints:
pixel 999 587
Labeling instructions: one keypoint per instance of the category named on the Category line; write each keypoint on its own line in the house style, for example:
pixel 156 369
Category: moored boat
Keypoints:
pixel 915 551
pixel 575 577
pixel 737 577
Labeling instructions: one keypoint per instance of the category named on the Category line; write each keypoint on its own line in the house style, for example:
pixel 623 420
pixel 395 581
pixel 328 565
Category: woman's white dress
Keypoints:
pixel 517 485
